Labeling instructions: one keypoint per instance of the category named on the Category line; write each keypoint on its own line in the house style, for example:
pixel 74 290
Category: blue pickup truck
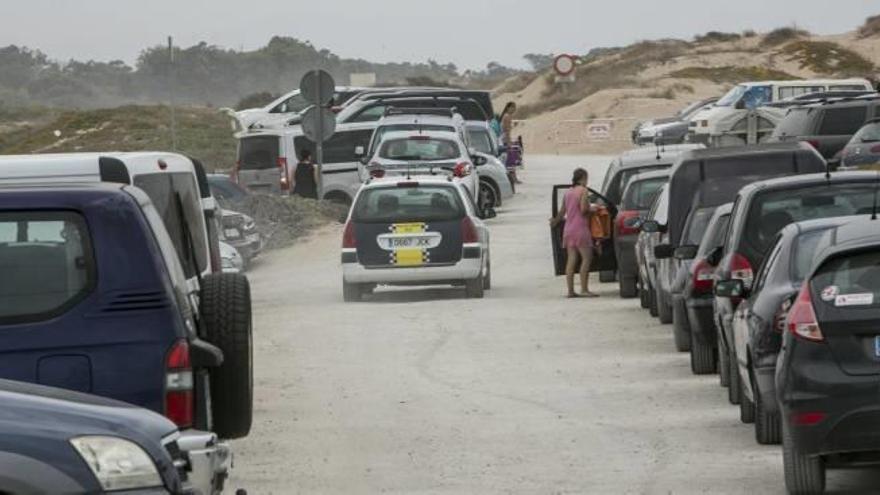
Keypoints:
pixel 94 299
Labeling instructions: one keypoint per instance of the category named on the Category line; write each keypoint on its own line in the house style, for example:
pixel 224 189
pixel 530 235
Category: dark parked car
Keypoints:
pixel 697 291
pixel 669 130
pixel 818 97
pixel 54 441
pixel 704 179
pixel 829 367
pixel 645 244
pixel 827 126
pixel 761 211
pixel 638 196
pixel 758 321
pixel 223 188
pixel 863 150
pixel 77 313
pixel 483 98
pixel 633 162
pixel 373 108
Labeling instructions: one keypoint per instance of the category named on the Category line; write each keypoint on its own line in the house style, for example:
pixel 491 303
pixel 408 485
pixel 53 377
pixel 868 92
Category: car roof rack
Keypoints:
pixel 443 112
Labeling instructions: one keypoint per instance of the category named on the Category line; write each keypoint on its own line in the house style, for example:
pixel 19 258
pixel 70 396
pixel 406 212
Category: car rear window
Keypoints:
pixel 868 134
pixel 419 148
pixel 843 121
pixel 413 203
pixel 804 250
pixel 641 195
pixel 795 123
pixel 773 210
pixel 47 264
pixel 481 141
pixel 696 226
pixel 851 275
pixel 382 130
pixel 629 173
pixel 258 152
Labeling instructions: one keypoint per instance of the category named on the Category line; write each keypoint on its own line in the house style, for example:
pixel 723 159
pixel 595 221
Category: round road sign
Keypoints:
pixel 318 124
pixel 564 64
pixel 317 87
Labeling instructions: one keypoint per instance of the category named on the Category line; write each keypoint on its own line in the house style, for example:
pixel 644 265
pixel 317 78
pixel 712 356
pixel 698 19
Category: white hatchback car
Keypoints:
pixel 432 153
pixel 415 231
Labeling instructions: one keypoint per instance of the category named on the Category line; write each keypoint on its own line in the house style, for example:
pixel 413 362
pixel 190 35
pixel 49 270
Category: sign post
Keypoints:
pixel 564 65
pixel 318 123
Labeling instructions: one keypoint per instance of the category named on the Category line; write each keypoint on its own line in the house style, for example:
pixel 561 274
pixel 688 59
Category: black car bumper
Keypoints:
pixel 702 319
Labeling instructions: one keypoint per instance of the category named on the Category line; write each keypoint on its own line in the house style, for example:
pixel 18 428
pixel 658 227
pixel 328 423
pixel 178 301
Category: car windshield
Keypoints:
pixel 296 103
pixel 772 211
pixel 258 153
pixel 384 129
pixel 422 148
pixel 629 173
pixel 408 203
pixel 868 134
pixel 46 263
pixel 851 274
pixel 481 141
pixel 224 188
pixel 732 96
pixel 804 250
pixel 641 194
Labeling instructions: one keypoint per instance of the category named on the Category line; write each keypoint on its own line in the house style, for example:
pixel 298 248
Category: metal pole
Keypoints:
pixel 319 137
pixel 171 83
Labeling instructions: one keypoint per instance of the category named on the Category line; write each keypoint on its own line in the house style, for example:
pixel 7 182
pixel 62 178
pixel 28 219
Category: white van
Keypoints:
pixel 717 119
pixel 267 159
pixel 177 185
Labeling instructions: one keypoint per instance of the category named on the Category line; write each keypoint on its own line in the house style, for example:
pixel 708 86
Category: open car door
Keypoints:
pixel 606 260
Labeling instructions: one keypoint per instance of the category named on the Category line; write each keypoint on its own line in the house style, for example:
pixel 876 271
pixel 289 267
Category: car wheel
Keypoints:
pixel 606 276
pixel 351 292
pixel 628 287
pixel 733 392
pixel 473 289
pixel 680 331
pixel 643 295
pixel 225 312
pixel 702 356
pixel 652 301
pixel 487 278
pixel 664 310
pixel 766 423
pixel 723 364
pixel 488 196
pixel 746 406
pixel 804 475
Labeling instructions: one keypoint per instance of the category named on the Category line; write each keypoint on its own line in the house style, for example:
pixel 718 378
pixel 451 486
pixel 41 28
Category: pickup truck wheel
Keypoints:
pixel 628 287
pixel 225 313
pixel 702 356
pixel 351 292
pixel 473 289
pixel 804 475
pixel 680 332
pixel 746 406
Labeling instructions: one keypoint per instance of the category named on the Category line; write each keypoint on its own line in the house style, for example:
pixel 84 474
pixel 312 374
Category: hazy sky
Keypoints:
pixel 469 33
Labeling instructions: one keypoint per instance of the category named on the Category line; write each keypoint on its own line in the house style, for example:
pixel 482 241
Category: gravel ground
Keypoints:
pixel 423 391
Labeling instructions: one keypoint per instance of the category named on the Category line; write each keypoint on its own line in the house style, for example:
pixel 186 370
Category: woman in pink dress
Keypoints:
pixel 576 237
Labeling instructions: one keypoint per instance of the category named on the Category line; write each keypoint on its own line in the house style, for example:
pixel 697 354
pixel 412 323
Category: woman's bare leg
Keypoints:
pixel 586 260
pixel 570 267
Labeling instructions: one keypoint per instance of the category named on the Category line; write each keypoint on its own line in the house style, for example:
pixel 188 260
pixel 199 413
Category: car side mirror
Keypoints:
pixel 488 213
pixel 652 226
pixel 686 252
pixel 730 288
pixel 714 256
pixel 663 251
pixel 359 151
pixel 478 160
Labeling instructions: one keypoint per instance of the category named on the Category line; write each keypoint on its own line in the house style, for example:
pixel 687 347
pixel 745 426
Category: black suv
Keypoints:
pixel 829 125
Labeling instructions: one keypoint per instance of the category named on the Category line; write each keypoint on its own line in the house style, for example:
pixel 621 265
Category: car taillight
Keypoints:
pixel 810 418
pixel 282 170
pixel 348 238
pixel 461 169
pixel 469 231
pixel 741 269
pixel 179 406
pixel 627 222
pixel 802 317
pixel 703 277
pixel 377 173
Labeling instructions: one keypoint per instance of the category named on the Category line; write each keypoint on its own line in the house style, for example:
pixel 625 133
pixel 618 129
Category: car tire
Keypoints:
pixel 643 295
pixel 351 292
pixel 488 195
pixel 766 424
pixel 746 406
pixel 734 394
pixel 804 475
pixel 723 361
pixel 703 360
pixel 607 276
pixel 652 301
pixel 487 278
pixel 681 334
pixel 473 289
pixel 225 313
pixel 628 287
pixel 664 310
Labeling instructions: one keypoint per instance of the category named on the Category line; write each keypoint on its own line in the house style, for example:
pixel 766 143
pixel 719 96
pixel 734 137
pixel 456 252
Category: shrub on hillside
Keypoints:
pixel 716 37
pixel 783 35
pixel 732 74
pixel 871 27
pixel 825 57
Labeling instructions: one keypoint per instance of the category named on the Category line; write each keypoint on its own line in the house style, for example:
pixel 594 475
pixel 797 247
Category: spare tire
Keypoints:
pixel 225 314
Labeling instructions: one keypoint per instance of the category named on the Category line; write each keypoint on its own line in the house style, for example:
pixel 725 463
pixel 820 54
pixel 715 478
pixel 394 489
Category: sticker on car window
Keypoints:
pixel 864 299
pixel 830 293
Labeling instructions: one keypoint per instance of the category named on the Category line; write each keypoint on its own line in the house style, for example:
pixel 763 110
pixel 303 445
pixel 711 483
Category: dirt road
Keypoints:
pixel 423 391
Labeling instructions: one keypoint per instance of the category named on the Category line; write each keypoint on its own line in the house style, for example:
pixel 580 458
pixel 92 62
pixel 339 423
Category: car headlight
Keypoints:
pixel 118 464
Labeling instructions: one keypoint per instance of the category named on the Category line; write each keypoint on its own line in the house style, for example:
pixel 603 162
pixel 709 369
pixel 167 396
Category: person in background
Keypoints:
pixel 514 151
pixel 576 237
pixel 305 177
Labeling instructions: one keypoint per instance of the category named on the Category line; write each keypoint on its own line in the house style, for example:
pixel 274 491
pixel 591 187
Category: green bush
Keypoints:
pixel 825 57
pixel 783 35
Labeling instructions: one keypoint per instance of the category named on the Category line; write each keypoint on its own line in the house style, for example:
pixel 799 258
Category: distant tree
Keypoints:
pixel 539 61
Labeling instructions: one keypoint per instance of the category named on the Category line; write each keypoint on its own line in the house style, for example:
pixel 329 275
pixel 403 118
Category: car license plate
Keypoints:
pixel 877 346
pixel 408 242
